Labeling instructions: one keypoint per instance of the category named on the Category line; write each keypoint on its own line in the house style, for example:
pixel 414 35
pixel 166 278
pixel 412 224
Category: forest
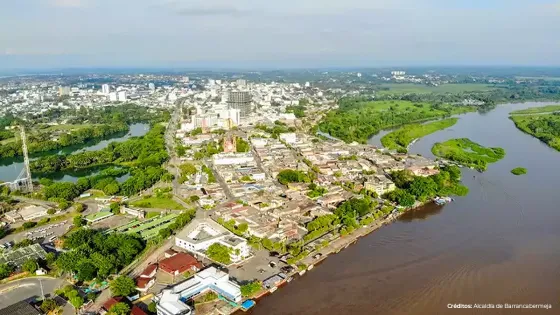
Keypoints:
pixel 93 254
pixel 97 124
pixel 545 127
pixel 358 120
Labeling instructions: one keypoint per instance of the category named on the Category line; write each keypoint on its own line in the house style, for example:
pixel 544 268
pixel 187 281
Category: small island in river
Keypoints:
pixel 468 153
pixel 519 171
pixel 401 138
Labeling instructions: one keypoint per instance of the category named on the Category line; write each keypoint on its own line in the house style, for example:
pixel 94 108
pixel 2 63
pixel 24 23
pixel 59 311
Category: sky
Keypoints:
pixel 277 34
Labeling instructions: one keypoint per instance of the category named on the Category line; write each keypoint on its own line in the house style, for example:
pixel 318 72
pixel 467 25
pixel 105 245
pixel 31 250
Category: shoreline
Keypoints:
pixel 333 248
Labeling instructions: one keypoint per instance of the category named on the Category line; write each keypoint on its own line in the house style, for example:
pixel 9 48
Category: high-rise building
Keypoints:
pixel 105 89
pixel 113 97
pixel 241 83
pixel 63 90
pixel 240 100
pixel 122 96
pixel 152 86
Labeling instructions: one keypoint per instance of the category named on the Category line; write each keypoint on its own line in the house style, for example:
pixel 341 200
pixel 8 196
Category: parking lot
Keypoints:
pixel 43 234
pixel 257 267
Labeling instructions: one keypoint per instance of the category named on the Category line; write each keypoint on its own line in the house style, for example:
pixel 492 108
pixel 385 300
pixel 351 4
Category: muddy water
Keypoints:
pixel 499 244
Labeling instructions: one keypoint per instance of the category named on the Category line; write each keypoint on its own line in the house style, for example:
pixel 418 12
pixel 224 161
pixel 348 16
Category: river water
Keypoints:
pixel 10 168
pixel 499 244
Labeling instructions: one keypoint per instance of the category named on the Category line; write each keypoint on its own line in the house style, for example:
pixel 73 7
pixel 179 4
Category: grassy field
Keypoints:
pixel 402 137
pixel 404 88
pixel 159 203
pixel 539 78
pixel 545 127
pixel 537 110
pixel 467 152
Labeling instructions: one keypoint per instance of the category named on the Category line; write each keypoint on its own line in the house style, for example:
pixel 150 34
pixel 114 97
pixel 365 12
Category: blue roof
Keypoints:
pixel 248 304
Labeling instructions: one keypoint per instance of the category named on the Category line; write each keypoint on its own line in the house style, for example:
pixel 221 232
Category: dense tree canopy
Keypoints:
pixel 292 176
pixel 91 253
pixel 219 253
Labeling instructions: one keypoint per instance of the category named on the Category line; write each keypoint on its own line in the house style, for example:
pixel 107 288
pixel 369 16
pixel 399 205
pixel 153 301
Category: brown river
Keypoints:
pixel 499 245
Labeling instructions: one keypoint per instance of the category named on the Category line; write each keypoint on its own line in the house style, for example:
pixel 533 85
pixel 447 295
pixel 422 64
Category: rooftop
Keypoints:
pixel 20 308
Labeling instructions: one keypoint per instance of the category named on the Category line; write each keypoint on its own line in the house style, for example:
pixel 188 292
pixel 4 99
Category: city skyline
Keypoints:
pixel 212 34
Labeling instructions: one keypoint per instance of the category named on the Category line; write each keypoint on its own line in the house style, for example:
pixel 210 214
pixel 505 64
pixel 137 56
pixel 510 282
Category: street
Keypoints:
pixel 30 289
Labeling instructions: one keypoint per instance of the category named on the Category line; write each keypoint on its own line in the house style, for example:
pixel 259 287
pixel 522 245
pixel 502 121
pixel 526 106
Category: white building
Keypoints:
pixel 152 86
pixel 232 158
pixel 201 233
pixel 113 97
pixel 288 137
pixel 170 301
pixel 105 89
pixel 122 96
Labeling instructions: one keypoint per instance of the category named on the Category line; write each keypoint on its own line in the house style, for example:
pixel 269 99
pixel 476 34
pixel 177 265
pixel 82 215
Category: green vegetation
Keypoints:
pixel 545 127
pixel 467 152
pixel 239 230
pixel 411 188
pixel 402 137
pixel 158 203
pixel 357 120
pixel 5 270
pixel 208 297
pixel 242 145
pixel 72 295
pixel 299 110
pixel 209 150
pixel 247 290
pixel 209 173
pixel 30 266
pixel 519 171
pixel 277 129
pixel 92 253
pixel 187 170
pixel 140 152
pixel 316 191
pixel 122 286
pixel 537 110
pixel 120 308
pixel 48 305
pixel 219 253
pixel 407 88
pixel 291 176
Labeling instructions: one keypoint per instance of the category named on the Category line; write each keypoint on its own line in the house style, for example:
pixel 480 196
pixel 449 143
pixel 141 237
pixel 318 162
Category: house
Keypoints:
pixel 180 263
pixel 135 310
pixel 112 301
pixel 423 171
pixel 20 308
pixel 146 279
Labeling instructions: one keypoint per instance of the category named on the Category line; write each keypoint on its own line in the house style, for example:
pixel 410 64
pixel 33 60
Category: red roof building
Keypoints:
pixel 112 301
pixel 135 310
pixel 149 272
pixel 180 263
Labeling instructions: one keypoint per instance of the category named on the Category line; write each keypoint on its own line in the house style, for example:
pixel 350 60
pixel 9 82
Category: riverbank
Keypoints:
pixel 401 139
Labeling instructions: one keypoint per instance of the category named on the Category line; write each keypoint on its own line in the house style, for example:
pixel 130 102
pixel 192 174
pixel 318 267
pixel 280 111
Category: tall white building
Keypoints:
pixel 113 97
pixel 105 89
pixel 152 86
pixel 122 96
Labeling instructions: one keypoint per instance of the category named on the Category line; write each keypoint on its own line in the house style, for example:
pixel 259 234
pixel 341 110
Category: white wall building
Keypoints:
pixel 122 96
pixel 232 158
pixel 105 89
pixel 201 233
pixel 288 137
pixel 113 97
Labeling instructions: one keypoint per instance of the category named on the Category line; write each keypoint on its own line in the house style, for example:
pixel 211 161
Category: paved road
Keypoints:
pixel 29 289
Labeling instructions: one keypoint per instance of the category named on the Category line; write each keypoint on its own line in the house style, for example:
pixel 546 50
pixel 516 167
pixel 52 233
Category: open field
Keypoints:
pixel 467 152
pixel 537 110
pixel 159 203
pixel 404 88
pixel 402 137
pixel 539 78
